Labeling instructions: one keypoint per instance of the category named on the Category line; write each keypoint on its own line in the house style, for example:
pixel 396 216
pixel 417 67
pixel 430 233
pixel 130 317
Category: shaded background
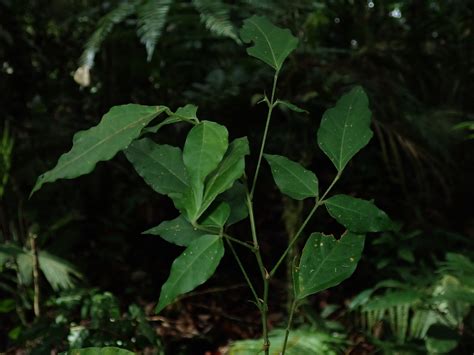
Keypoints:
pixel 415 59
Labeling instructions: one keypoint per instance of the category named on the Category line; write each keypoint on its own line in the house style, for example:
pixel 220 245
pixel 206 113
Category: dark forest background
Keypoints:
pixel 415 60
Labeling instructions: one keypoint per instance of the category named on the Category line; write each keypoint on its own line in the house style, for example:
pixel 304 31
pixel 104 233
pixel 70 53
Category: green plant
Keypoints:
pixel 209 187
pixel 432 310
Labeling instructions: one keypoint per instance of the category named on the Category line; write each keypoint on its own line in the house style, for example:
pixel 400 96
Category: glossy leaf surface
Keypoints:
pixel 177 231
pixel 192 268
pixel 271 43
pixel 217 216
pixel 291 178
pixel 345 128
pixel 161 166
pixel 326 261
pixel 204 148
pixel 117 129
pixel 357 215
pixel 230 169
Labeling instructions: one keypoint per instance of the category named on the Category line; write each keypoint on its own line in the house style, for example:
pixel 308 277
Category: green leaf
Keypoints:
pixel 161 166
pixel 156 128
pixel 230 169
pixel 236 198
pixel 357 215
pixel 204 148
pixel 99 351
pixel 291 178
pixel 326 261
pixel 291 106
pixel 177 231
pixel 345 128
pixel 117 129
pixel 192 268
pixel 271 44
pixel 217 216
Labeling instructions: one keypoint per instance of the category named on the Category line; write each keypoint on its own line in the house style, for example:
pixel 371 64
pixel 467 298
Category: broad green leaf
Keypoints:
pixel 117 129
pixel 345 128
pixel 357 215
pixel 98 351
pixel 177 231
pixel 235 197
pixel 204 148
pixel 271 44
pixel 161 166
pixel 326 261
pixel 291 178
pixel 230 169
pixel 217 216
pixel 192 268
pixel 291 106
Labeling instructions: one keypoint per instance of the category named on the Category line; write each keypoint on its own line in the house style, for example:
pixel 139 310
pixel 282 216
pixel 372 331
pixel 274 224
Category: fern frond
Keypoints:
pixel 152 15
pixel 105 26
pixel 215 16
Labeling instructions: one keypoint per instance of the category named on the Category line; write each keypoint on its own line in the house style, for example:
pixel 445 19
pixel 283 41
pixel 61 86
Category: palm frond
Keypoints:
pixel 152 15
pixel 300 342
pixel 105 26
pixel 59 273
pixel 215 16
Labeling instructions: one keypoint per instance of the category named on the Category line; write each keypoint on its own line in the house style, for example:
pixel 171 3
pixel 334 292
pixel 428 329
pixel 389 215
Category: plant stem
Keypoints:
pixel 246 276
pixel 270 104
pixel 263 271
pixel 215 231
pixel 36 274
pixel 318 203
pixel 288 326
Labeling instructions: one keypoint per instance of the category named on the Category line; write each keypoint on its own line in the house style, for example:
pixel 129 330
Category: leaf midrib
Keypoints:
pixel 68 163
pixel 297 177
pixel 268 41
pixel 185 183
pixel 189 265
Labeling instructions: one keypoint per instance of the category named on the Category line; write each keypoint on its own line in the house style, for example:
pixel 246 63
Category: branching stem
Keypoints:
pixel 271 105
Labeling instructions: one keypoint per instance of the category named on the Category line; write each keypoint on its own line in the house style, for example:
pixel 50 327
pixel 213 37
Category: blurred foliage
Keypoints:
pixel 414 58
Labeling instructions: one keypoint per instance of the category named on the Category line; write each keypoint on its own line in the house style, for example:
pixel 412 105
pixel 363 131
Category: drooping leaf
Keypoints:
pixel 271 44
pixel 345 128
pixel 235 197
pixel 204 148
pixel 192 268
pixel 357 215
pixel 215 16
pixel 326 261
pixel 161 166
pixel 291 106
pixel 177 231
pixel 217 216
pixel 117 129
pixel 104 27
pixel 152 16
pixel 291 178
pixel 59 272
pixel 98 351
pixel 230 169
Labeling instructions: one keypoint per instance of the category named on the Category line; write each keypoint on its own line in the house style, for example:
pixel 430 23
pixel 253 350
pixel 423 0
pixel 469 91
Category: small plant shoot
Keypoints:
pixel 207 181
